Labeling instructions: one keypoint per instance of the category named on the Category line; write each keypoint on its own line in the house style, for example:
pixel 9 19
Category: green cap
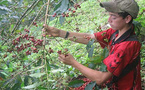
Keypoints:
pixel 118 6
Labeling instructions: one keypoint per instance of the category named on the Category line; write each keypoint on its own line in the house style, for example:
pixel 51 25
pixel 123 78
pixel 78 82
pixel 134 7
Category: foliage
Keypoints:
pixel 28 58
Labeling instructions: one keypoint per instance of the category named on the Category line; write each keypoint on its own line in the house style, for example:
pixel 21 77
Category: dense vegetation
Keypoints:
pixel 28 57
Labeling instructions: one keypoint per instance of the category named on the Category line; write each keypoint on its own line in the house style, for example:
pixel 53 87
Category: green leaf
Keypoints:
pixel 90 85
pixel 26 80
pixel 92 65
pixel 91 51
pixel 4 10
pixel 103 67
pixel 4 2
pixel 78 56
pixel 42 88
pixel 57 6
pixel 54 66
pixel 105 52
pixel 89 45
pixel 2 75
pixel 90 48
pixel 18 83
pixel 96 59
pixel 76 83
pixel 17 86
pixel 20 3
pixel 61 20
pixel 32 86
pixel 64 5
pixel 37 75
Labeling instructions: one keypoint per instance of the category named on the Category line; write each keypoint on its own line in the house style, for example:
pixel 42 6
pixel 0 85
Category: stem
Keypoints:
pixel 23 16
pixel 36 16
pixel 45 22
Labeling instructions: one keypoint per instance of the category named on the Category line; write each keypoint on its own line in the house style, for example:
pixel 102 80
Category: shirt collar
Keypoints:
pixel 124 36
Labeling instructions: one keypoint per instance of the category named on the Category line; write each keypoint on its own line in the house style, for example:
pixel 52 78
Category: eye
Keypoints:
pixel 113 17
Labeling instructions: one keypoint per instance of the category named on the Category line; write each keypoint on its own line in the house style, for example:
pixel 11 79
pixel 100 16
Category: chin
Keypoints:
pixel 114 28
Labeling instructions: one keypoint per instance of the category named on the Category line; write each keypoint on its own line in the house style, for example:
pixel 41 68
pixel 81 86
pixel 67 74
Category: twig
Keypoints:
pixel 36 16
pixel 45 22
pixel 19 21
pixel 24 14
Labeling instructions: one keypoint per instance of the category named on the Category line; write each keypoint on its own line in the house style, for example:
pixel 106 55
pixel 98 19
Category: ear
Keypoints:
pixel 128 19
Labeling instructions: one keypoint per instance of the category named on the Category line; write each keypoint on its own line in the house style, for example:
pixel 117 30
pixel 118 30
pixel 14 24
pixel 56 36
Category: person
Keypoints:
pixel 124 47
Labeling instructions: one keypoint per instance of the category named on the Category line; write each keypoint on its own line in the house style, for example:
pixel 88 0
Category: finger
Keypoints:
pixel 43 30
pixel 44 24
pixel 61 56
pixel 60 59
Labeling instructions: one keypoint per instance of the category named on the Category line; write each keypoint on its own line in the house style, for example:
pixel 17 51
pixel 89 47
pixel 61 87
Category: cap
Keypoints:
pixel 117 6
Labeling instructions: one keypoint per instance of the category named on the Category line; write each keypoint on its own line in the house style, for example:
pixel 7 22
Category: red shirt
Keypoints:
pixel 121 53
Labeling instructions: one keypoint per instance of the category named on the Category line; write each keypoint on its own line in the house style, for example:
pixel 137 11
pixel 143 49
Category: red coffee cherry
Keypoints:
pixel 73 11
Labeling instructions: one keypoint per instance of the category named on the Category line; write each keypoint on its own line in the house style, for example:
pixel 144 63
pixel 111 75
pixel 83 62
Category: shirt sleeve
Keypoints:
pixel 122 56
pixel 104 36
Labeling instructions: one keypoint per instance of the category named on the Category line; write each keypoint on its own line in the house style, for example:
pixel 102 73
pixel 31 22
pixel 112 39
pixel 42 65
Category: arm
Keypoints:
pixel 94 75
pixel 73 36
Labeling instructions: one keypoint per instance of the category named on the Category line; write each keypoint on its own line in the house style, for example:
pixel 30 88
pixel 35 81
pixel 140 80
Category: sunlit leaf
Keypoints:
pixel 4 8
pixel 37 75
pixel 32 86
pixel 4 2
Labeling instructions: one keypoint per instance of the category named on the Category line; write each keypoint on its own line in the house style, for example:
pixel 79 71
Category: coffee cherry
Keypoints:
pixel 67 15
pixel 59 52
pixel 43 35
pixel 54 15
pixel 14 56
pixel 77 29
pixel 74 11
pixel 69 9
pixel 66 55
pixel 28 52
pixel 63 15
pixel 50 50
pixel 34 23
pixel 18 39
pixel 5 55
pixel 65 50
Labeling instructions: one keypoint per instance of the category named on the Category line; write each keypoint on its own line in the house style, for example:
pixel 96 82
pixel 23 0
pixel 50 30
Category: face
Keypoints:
pixel 116 22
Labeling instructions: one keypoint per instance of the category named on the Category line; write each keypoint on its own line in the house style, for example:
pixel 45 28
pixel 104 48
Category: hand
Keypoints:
pixel 67 59
pixel 51 31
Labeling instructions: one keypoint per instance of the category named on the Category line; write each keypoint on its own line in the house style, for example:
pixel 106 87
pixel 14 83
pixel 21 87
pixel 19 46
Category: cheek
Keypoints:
pixel 117 24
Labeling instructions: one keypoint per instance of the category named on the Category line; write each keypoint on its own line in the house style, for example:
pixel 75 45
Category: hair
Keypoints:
pixel 124 15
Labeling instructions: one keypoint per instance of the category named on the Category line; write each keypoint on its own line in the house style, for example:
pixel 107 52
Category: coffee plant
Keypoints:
pixel 29 57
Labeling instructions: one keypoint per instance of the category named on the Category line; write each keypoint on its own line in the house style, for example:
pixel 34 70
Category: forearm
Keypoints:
pixel 94 75
pixel 77 37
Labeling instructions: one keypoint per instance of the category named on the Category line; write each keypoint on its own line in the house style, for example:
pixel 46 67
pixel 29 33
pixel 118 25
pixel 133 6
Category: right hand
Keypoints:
pixel 51 31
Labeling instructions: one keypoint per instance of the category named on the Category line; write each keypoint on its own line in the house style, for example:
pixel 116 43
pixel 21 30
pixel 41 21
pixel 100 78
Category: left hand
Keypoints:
pixel 69 59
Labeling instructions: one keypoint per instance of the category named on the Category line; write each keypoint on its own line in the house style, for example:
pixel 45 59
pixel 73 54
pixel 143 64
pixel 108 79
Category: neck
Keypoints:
pixel 123 30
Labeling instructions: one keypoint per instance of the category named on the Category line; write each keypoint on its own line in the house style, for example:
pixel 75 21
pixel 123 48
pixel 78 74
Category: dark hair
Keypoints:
pixel 124 15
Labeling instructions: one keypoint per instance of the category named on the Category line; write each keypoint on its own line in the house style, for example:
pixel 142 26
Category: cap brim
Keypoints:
pixel 110 7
